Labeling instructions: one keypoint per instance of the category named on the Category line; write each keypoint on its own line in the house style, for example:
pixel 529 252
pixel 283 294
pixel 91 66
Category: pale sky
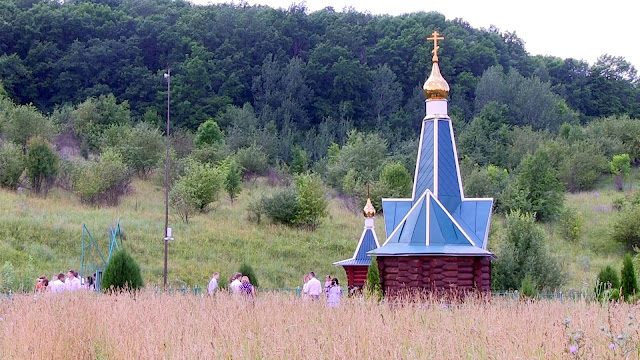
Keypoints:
pixel 582 29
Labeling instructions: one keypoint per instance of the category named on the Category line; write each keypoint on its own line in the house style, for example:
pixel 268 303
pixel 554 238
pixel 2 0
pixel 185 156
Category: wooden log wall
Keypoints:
pixel 419 273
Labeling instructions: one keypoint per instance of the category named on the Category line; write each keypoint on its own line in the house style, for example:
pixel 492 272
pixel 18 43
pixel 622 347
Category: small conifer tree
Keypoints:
pixel 122 273
pixel 247 270
pixel 607 280
pixel 628 278
pixel 373 287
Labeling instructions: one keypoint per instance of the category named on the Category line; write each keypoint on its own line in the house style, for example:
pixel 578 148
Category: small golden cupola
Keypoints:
pixel 436 87
pixel 369 211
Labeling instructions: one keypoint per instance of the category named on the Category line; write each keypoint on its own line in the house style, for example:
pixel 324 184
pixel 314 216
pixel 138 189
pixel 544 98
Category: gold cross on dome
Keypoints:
pixel 435 37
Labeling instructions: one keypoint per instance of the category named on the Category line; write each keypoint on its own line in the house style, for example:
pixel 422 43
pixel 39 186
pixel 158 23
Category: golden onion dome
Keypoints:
pixel 369 211
pixel 436 86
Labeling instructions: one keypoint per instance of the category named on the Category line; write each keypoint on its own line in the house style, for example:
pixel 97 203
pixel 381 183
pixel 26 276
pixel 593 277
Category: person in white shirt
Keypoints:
pixel 236 283
pixel 72 283
pixel 213 284
pixel 57 285
pixel 314 288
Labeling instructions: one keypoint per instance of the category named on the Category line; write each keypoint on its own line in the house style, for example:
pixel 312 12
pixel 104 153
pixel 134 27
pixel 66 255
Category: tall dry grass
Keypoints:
pixel 274 326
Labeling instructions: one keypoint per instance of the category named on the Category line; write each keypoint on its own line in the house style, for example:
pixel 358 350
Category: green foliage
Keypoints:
pixel 620 166
pixel 122 273
pixel 246 270
pixel 522 252
pixel 569 224
pixel 232 178
pixel 628 280
pixel 142 148
pixel 282 206
pixel 11 164
pixel 252 160
pixel 255 209
pixel 300 161
pixel 483 182
pixel 312 204
pixel 626 228
pixel 103 181
pixel 24 122
pixel 373 288
pixel 196 189
pixel 397 180
pixel 528 287
pixel 8 279
pixel 608 280
pixel 41 164
pixel 486 138
pixel 208 134
pixel 536 189
pixel 93 117
pixel 581 166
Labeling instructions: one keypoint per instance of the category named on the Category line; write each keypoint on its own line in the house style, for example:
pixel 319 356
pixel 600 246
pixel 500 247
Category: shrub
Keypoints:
pixel 122 273
pixel 8 280
pixel 246 270
pixel 41 164
pixel 626 228
pixel 11 164
pixel 24 122
pixel 569 225
pixel 300 161
pixel 312 204
pixel 232 178
pixel 397 180
pixel 607 280
pixel 255 209
pixel 209 133
pixel 620 166
pixel 619 203
pixel 253 160
pixel 523 253
pixel 373 288
pixel 528 287
pixel 282 206
pixel 143 149
pixel 196 189
pixel 628 280
pixel 582 165
pixel 104 181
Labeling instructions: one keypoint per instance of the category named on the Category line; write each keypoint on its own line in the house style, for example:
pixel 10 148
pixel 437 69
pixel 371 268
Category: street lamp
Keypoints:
pixel 167 229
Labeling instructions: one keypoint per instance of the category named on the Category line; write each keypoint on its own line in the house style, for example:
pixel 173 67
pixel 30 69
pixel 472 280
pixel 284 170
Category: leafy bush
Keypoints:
pixel 11 164
pixel 569 225
pixel 312 204
pixel 626 228
pixel 488 181
pixel 143 149
pixel 620 166
pixel 536 189
pixel 246 270
pixel 232 178
pixel 253 160
pixel 581 165
pixel 619 203
pixel 363 154
pixel 101 182
pixel 397 180
pixel 282 206
pixel 300 161
pixel 24 122
pixel 528 287
pixel 607 280
pixel 373 287
pixel 41 164
pixel 255 209
pixel 523 253
pixel 122 273
pixel 628 280
pixel 196 189
pixel 209 133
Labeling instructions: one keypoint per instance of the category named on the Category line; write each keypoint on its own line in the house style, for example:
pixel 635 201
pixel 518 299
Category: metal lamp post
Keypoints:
pixel 167 229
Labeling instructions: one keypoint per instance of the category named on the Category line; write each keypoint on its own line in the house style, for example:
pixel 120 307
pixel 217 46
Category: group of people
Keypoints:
pixel 60 283
pixel 312 289
pixel 238 285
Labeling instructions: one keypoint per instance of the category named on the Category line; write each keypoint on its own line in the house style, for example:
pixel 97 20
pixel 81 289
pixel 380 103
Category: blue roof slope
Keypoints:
pixel 448 182
pixel 474 215
pixel 425 164
pixel 394 211
pixel 368 242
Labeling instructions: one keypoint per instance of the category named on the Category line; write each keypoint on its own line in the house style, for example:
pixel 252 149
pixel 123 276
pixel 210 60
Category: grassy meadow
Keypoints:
pixel 85 325
pixel 48 231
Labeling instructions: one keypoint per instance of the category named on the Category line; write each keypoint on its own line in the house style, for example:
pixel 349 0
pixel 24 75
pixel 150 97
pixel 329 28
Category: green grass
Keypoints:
pixel 49 231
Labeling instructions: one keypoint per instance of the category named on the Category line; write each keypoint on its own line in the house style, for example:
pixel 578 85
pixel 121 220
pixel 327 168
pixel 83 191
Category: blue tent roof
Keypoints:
pixel 437 219
pixel 368 242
